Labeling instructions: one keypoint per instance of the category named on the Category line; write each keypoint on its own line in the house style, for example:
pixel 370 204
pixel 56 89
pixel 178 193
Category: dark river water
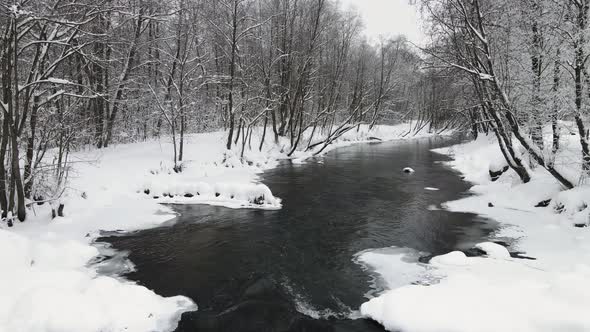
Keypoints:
pixel 252 270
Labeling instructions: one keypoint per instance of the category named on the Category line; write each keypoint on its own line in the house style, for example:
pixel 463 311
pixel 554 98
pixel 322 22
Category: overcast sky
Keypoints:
pixel 388 17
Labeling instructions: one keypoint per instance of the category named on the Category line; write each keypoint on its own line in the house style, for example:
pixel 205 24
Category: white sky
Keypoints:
pixel 388 18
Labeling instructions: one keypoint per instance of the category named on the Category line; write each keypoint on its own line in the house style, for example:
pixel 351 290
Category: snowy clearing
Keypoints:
pixel 49 280
pixel 496 292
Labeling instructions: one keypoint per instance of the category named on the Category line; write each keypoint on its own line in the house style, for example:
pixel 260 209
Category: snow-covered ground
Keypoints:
pixel 48 279
pixel 455 293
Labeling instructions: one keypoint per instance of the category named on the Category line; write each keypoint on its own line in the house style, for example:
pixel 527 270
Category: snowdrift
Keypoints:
pixel 484 294
pixel 497 292
pixel 46 287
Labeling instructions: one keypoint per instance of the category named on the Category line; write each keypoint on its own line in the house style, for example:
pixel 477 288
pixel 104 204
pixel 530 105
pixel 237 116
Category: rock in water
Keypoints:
pixel 408 170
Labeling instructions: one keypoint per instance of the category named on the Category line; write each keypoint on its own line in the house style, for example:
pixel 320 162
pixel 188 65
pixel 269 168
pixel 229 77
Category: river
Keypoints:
pixel 253 270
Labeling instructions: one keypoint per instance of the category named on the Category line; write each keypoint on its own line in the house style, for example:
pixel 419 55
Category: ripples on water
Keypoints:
pixel 251 270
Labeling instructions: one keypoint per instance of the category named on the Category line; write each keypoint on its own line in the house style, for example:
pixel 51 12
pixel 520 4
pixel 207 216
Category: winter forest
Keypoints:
pixel 98 73
pixel 143 141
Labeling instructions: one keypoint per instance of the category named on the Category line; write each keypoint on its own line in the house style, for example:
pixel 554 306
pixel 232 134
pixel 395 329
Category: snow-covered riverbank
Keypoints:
pixel 48 281
pixel 495 292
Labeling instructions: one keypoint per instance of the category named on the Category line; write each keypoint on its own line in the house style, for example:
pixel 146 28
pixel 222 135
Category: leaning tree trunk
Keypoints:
pixel 502 99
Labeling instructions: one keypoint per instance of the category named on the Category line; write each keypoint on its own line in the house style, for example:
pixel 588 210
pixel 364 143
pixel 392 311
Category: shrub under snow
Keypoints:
pixel 234 195
pixel 574 204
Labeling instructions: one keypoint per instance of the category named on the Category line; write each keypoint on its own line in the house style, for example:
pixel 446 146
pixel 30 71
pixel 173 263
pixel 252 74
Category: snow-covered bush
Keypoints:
pixel 574 204
pixel 229 194
pixel 498 166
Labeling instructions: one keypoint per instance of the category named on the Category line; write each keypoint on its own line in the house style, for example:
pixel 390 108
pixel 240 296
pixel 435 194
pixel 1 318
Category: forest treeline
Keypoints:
pixel 79 73
pixel 523 68
pixel 76 73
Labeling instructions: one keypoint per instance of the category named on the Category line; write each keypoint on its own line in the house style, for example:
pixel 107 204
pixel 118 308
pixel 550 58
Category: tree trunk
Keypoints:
pixel 579 64
pixel 28 171
pixel 555 111
pixel 536 64
pixel 123 79
pixel 263 131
